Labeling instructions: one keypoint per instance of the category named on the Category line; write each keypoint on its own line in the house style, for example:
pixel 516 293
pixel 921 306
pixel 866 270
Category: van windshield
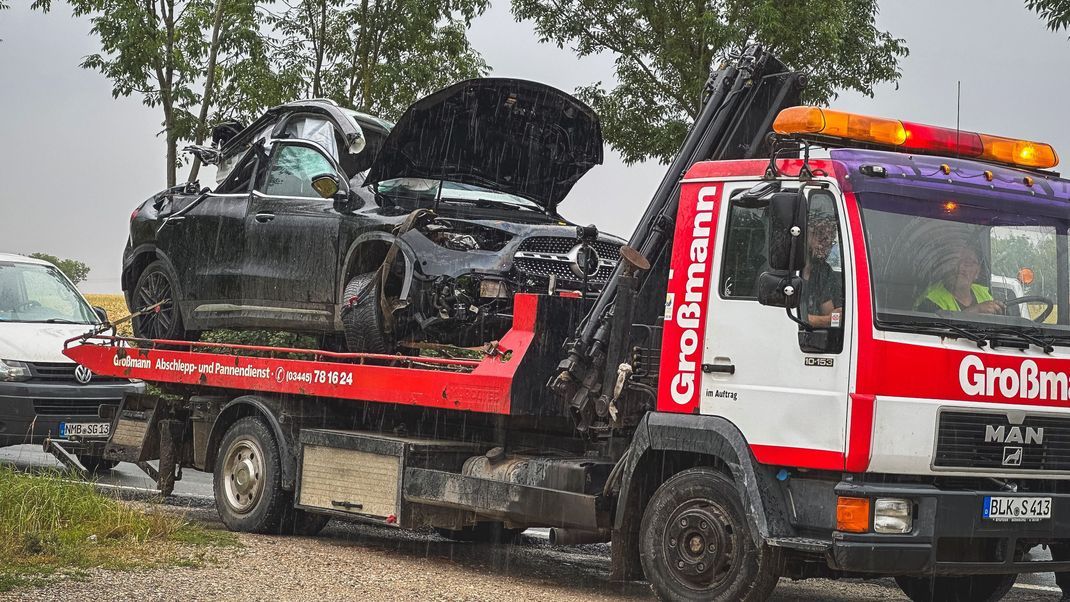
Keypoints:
pixel 942 262
pixel 40 293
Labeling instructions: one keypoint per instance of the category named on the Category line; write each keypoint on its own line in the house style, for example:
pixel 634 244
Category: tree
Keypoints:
pixel 664 48
pixel 74 269
pixel 159 49
pixel 377 56
pixel 1055 12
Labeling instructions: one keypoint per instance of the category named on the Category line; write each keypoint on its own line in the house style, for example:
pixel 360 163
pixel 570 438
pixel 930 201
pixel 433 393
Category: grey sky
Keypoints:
pixel 75 162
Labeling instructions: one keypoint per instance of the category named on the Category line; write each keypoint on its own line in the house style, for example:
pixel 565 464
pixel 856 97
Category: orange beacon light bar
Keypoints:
pixel 914 137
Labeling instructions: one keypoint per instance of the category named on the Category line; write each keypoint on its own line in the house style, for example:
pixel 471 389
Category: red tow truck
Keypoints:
pixel 803 367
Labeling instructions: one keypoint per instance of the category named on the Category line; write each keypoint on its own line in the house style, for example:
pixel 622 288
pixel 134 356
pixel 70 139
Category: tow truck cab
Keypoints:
pixel 815 306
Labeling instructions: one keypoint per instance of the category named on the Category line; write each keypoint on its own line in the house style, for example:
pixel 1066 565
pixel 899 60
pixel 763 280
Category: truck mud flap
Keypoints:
pixel 134 436
pixel 499 500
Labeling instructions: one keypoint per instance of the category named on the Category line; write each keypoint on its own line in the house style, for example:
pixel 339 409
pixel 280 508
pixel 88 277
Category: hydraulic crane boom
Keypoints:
pixel 741 102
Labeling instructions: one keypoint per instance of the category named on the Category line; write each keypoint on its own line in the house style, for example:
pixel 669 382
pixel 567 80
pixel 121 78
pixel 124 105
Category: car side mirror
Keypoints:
pixel 327 185
pixel 101 313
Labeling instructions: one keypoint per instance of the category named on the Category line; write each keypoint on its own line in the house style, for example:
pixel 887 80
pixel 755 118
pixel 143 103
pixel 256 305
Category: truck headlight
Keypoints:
pixel 892 515
pixel 11 370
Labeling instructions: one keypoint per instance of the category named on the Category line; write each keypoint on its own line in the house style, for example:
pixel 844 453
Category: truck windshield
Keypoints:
pixel 968 266
pixel 39 293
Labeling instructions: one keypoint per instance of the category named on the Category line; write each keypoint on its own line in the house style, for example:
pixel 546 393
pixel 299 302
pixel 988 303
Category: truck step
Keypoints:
pixel 802 544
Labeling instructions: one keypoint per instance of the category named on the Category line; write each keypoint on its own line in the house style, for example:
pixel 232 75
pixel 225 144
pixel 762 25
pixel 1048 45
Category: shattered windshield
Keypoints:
pixel 32 292
pixel 976 264
pixel 422 192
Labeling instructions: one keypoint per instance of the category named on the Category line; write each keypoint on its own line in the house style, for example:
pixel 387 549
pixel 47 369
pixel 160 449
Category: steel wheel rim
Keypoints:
pixel 157 323
pixel 702 545
pixel 243 475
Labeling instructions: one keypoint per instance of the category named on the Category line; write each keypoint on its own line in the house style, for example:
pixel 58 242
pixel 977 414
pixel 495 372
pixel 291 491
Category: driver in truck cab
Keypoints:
pixel 958 290
pixel 823 290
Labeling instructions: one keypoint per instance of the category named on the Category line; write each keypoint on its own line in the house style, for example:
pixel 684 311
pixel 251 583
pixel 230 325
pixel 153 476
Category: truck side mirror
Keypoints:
pixel 787 231
pixel 779 286
pixel 778 289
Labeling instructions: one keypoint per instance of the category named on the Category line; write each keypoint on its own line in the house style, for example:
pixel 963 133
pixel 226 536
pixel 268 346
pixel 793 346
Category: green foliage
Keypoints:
pixel 1056 13
pixel 267 338
pixel 377 56
pixel 159 49
pixel 51 525
pixel 74 269
pixel 1012 251
pixel 664 48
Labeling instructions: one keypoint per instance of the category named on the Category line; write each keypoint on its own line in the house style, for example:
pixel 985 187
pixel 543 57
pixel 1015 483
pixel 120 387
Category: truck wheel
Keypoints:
pixel 363 321
pixel 96 463
pixel 248 478
pixel 299 522
pixel 972 588
pixel 491 532
pixel 155 285
pixel 696 542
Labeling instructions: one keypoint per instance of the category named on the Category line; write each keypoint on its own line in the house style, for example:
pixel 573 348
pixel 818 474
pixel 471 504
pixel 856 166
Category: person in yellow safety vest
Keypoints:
pixel 957 290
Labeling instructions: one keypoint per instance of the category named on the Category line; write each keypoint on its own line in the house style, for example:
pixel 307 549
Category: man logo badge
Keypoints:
pixel 1012 456
pixel 83 374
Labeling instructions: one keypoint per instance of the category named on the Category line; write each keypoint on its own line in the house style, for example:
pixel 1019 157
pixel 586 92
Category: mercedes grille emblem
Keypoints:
pixel 580 260
pixel 82 374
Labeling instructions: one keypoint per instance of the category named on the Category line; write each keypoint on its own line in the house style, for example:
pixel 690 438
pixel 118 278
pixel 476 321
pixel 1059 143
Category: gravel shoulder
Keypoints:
pixel 361 562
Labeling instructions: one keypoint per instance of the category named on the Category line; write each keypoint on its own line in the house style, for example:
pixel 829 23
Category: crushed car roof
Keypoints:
pixel 514 136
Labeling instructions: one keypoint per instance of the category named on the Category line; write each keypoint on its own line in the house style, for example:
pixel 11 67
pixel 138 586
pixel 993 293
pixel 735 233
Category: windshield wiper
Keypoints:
pixel 933 327
pixel 1044 344
pixel 489 204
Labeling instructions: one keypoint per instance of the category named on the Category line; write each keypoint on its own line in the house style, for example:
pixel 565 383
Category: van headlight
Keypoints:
pixel 11 371
pixel 892 515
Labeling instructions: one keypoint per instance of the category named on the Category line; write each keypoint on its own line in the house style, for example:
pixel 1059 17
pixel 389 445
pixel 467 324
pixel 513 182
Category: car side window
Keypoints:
pixel 241 176
pixel 744 251
pixel 292 169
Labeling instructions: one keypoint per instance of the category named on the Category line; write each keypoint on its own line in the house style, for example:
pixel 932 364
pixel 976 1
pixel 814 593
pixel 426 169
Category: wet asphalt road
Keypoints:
pixel 584 565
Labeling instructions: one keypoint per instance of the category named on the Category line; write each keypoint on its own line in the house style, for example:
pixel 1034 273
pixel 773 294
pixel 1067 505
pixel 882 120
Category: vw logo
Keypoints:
pixel 82 374
pixel 584 260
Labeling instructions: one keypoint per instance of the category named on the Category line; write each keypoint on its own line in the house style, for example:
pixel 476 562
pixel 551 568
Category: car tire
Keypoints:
pixel 487 532
pixel 696 543
pixel 363 320
pixel 247 480
pixel 972 588
pixel 154 285
pixel 96 463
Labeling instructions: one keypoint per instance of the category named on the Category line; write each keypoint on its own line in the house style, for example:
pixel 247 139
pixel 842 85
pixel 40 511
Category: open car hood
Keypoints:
pixel 510 135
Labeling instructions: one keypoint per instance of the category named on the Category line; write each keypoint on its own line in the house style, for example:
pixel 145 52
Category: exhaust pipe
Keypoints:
pixel 576 537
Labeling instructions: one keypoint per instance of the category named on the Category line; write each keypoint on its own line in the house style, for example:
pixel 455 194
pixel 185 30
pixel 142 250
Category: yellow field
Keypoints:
pixel 115 305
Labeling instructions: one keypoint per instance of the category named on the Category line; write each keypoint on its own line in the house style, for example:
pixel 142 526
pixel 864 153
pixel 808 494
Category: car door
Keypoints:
pixel 205 242
pixel 291 243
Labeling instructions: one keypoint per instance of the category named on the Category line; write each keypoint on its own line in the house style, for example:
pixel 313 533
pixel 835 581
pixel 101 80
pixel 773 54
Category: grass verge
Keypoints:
pixel 54 528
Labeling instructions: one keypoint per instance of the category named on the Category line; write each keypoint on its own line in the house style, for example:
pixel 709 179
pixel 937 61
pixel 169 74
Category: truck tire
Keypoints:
pixel 363 321
pixel 695 542
pixel 155 285
pixel 972 588
pixel 96 463
pixel 490 532
pixel 247 480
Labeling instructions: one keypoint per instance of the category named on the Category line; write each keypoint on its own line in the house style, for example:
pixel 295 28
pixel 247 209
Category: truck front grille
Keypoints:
pixel 990 441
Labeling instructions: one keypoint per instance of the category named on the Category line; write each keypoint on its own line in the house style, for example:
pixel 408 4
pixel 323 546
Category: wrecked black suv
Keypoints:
pixel 332 222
